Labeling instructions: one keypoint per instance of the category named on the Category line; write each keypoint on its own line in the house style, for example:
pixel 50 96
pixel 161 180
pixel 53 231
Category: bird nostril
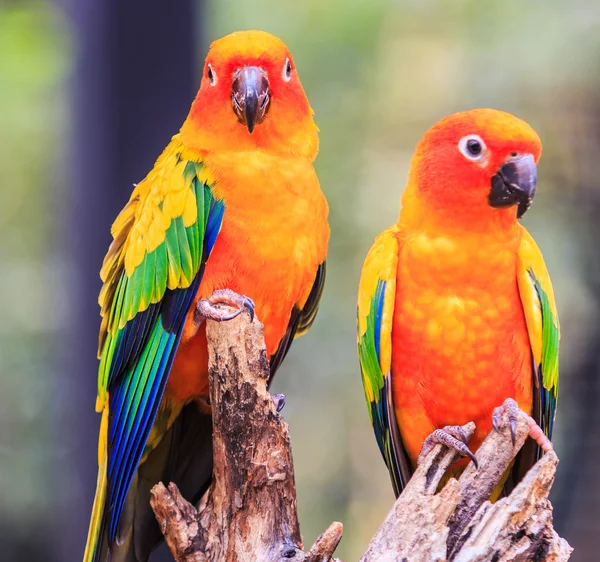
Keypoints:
pixel 514 154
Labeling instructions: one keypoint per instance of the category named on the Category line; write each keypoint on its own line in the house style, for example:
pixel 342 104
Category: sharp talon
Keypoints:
pixel 206 308
pixel 472 457
pixel 279 400
pixel 231 316
pixel 453 437
pixel 513 431
pixel 511 408
pixel 464 451
pixel 249 306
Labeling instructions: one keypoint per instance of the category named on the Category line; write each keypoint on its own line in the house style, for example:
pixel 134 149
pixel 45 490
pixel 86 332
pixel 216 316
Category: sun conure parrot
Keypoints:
pixel 456 312
pixel 232 212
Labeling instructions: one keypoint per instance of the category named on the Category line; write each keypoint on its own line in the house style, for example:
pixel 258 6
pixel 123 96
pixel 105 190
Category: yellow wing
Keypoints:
pixel 376 298
pixel 541 316
pixel 162 241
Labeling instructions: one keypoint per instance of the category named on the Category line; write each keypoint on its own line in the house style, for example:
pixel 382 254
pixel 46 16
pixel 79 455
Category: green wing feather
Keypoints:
pixel 541 316
pixel 162 240
pixel 376 298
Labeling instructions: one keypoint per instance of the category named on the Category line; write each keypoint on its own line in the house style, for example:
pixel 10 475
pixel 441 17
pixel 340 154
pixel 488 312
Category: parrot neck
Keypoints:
pixel 419 214
pixel 448 247
pixel 205 134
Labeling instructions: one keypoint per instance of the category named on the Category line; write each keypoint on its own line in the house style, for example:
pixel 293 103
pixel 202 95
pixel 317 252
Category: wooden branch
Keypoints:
pixel 249 512
pixel 458 524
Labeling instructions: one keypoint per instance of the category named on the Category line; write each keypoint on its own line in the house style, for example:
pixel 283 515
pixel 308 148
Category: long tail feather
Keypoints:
pixel 96 521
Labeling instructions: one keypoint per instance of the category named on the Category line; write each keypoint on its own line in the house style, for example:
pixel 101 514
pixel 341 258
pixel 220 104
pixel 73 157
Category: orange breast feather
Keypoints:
pixel 273 238
pixel 460 343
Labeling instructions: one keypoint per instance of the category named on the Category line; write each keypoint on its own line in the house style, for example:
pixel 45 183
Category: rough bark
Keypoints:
pixel 249 512
pixel 458 524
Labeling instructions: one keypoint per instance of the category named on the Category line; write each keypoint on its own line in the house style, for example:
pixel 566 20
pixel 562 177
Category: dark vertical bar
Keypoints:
pixel 135 77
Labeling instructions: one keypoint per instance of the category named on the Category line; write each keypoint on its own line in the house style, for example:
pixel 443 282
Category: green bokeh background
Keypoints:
pixel 378 74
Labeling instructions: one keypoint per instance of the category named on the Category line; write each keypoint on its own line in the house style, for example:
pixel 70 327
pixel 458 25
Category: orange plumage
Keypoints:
pixel 276 211
pixel 279 219
pixel 232 203
pixel 460 340
pixel 451 297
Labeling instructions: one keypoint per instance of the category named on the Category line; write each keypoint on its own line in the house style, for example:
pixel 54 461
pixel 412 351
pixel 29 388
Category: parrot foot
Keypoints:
pixel 538 435
pixel 511 407
pixel 206 309
pixel 452 436
pixel 279 400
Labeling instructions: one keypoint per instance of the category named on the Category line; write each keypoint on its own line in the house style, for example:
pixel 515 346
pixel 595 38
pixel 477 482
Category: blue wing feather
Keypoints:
pixel 381 295
pixel 128 449
pixel 143 355
pixel 376 299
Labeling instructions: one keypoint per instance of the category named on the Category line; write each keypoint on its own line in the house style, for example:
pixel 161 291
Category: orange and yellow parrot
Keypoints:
pixel 456 313
pixel 232 212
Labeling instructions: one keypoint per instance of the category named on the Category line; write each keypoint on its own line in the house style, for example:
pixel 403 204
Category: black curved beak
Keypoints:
pixel 514 184
pixel 250 97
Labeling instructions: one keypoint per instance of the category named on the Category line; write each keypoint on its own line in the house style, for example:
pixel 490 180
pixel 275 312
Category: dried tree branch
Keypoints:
pixel 249 512
pixel 458 524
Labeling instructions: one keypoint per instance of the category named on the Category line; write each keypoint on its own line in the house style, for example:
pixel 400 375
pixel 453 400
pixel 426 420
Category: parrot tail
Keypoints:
pixel 96 521
pixel 98 548
pixel 182 455
pixel 96 529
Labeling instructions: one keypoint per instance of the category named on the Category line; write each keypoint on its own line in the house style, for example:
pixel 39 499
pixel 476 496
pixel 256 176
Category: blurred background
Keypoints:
pixel 90 93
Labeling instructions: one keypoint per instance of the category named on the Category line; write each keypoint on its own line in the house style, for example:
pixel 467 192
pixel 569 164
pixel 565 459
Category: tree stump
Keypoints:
pixel 249 512
pixel 458 524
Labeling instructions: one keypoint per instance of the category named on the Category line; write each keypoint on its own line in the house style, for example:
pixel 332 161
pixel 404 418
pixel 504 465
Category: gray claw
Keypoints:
pixel 279 400
pixel 470 454
pixel 452 436
pixel 513 431
pixel 511 408
pixel 205 308
pixel 231 316
pixel 248 304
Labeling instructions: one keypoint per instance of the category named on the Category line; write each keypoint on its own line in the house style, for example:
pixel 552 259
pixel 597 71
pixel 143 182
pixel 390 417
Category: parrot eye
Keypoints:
pixel 472 147
pixel 212 75
pixel 287 70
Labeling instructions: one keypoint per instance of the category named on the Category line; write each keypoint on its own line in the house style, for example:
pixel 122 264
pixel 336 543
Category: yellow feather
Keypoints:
pixel 134 255
pixel 203 173
pixel 381 264
pixel 124 216
pixel 531 258
pixel 173 280
pixel 174 202
pixel 155 236
pixel 101 486
pixel 190 211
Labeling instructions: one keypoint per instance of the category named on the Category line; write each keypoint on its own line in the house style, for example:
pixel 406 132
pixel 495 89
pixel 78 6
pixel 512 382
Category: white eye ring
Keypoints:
pixel 287 70
pixel 212 75
pixel 472 147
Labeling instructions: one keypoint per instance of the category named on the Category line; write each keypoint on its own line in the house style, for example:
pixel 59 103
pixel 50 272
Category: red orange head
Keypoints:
pixel 477 162
pixel 250 96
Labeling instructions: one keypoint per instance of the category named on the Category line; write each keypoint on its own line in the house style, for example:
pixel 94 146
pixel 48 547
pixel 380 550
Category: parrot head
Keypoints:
pixel 477 163
pixel 250 96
